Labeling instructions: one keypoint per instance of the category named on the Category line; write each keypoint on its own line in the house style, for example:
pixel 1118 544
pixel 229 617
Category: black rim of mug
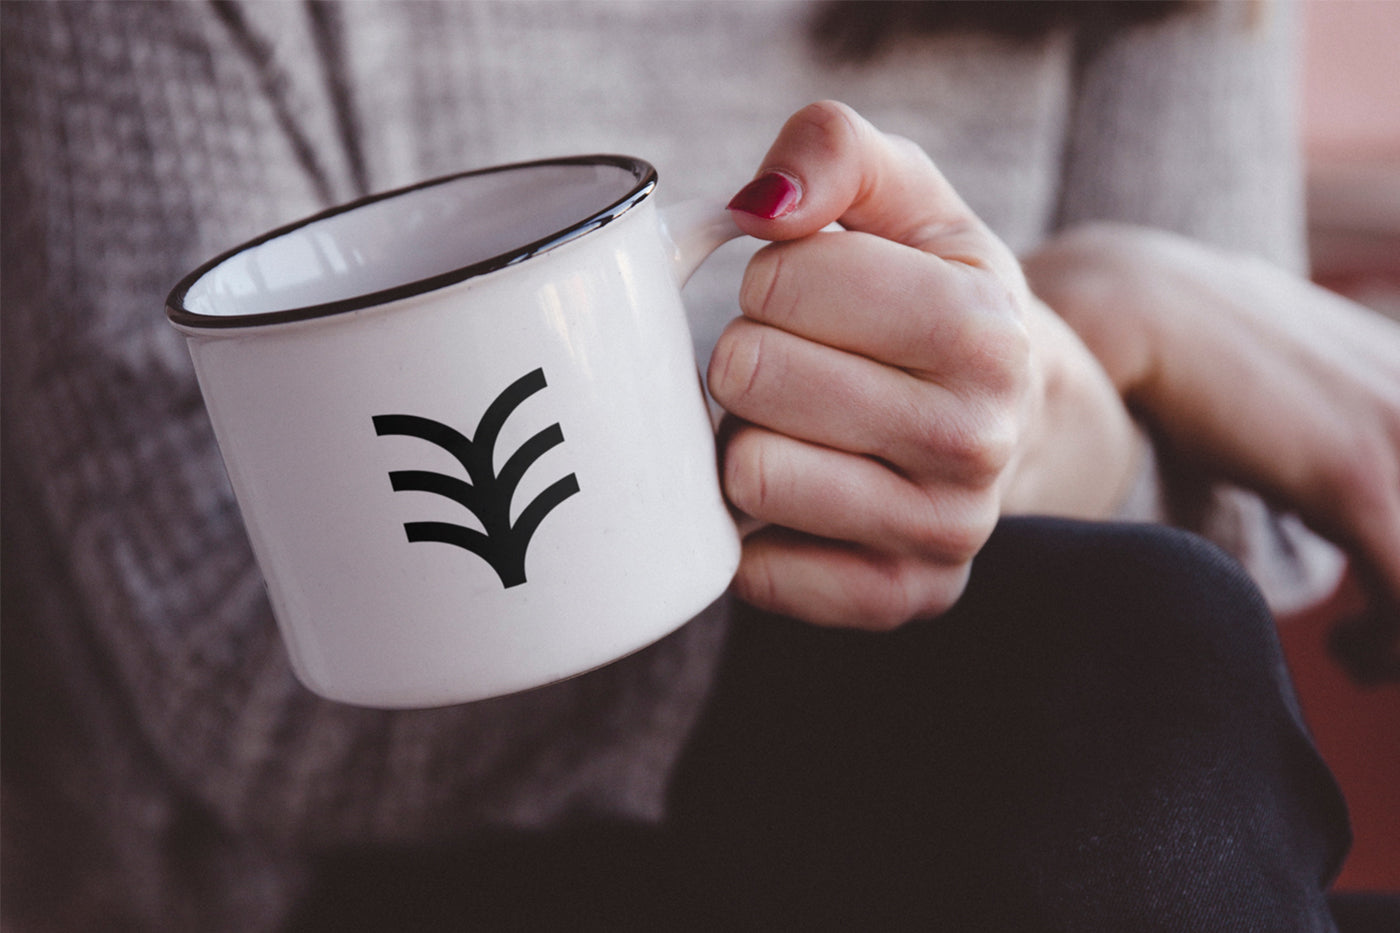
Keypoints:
pixel 642 170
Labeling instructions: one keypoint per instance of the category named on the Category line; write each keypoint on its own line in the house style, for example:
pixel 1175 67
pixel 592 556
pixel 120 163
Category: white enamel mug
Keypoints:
pixel 465 429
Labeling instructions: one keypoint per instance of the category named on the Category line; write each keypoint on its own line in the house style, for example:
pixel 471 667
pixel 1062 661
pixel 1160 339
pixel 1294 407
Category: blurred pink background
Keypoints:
pixel 1351 126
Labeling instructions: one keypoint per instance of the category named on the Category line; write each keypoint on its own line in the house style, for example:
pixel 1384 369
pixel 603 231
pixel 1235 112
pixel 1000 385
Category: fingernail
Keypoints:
pixel 769 196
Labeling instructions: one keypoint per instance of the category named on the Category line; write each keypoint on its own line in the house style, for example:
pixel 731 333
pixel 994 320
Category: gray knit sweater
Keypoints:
pixel 162 769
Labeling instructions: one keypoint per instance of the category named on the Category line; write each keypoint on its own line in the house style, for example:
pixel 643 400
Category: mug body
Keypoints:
pixel 477 485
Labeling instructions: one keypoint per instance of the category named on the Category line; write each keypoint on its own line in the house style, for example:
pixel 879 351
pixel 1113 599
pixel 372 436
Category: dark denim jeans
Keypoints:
pixel 1100 736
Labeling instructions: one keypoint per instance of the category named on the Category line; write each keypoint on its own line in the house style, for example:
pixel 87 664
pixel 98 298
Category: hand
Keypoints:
pixel 1252 373
pixel 887 385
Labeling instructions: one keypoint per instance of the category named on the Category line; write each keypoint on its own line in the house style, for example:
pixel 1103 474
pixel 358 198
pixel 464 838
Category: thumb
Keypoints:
pixel 830 164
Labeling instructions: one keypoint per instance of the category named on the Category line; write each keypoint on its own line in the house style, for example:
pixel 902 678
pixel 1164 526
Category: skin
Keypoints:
pixel 1251 373
pixel 893 387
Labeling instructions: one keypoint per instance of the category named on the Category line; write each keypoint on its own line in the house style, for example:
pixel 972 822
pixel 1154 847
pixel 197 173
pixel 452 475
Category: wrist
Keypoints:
pixel 1082 450
pixel 1098 279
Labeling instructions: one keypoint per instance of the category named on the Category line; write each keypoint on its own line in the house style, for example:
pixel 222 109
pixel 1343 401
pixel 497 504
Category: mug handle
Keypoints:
pixel 692 230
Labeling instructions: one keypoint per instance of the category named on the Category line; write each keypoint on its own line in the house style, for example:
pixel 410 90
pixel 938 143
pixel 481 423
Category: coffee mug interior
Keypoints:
pixel 410 241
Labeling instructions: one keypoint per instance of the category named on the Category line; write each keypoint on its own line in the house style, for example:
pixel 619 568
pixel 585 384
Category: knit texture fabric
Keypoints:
pixel 163 769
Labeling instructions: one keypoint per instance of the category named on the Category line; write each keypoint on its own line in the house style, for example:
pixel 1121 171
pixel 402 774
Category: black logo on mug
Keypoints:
pixel 488 495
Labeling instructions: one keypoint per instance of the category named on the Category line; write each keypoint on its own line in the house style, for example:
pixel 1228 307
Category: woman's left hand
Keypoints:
pixel 1249 372
pixel 892 386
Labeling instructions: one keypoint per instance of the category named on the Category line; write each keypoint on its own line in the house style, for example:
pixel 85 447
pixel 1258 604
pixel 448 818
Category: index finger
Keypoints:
pixel 830 164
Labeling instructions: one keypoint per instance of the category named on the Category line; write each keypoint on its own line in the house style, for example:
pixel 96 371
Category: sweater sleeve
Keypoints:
pixel 1189 125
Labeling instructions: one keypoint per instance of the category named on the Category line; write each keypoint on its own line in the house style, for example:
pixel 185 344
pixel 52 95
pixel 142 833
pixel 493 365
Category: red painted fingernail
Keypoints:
pixel 769 196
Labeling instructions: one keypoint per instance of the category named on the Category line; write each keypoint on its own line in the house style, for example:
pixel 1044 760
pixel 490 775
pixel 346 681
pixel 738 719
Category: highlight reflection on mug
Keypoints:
pixel 488 495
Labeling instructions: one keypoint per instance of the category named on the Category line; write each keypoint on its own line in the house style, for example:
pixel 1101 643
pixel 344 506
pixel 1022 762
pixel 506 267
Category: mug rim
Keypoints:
pixel 642 170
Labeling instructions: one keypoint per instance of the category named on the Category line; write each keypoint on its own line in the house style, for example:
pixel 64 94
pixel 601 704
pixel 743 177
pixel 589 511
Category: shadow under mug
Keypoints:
pixel 464 427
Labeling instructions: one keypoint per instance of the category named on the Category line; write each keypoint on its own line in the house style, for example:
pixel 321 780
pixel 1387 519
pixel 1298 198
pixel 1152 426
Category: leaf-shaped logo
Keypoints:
pixel 488 495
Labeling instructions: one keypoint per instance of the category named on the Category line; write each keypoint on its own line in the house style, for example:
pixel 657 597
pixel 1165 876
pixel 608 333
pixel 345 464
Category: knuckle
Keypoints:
pixel 764 291
pixel 981 452
pixel 920 532
pixel 745 479
pixel 735 363
pixel 971 447
pixel 826 126
pixel 951 529
pixel 907 149
pixel 1006 355
pixel 976 325
pixel 755 582
pixel 907 590
pixel 944 590
pixel 888 602
pixel 994 344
